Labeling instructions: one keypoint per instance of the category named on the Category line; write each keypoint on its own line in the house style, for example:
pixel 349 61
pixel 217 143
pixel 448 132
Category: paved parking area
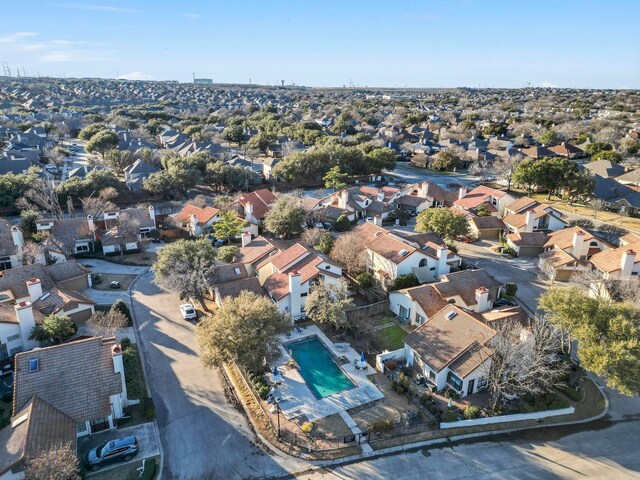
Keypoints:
pixel 146 434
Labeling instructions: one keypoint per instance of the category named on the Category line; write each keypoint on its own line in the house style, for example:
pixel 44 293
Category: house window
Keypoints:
pixel 82 248
pixel 81 428
pixel 304 294
pixel 454 381
pixel 432 269
pixel 482 384
pixel 328 267
pixel 15 350
pixel 34 365
pixel 11 338
pixel 5 263
pixel 3 352
pixel 423 263
pixel 420 319
pixel 404 312
pixel 432 375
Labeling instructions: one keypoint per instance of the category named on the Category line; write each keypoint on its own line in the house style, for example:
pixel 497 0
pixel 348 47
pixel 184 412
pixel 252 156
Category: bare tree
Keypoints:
pixel 349 251
pixel 43 194
pixel 30 252
pixel 96 205
pixel 108 323
pixel 127 230
pixel 606 289
pixel 311 237
pixel 505 167
pixel 519 359
pixel 58 463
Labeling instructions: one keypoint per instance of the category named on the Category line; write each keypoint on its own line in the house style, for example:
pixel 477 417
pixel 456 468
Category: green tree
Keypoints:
pixel 524 175
pixel 167 182
pixel 381 159
pixel 227 254
pixel 285 216
pixel 327 303
pixel 119 159
pixel 229 226
pixel 187 268
pixel 28 219
pixel 89 131
pixel 343 223
pixel 608 155
pixel 102 142
pixel 12 187
pixel 246 329
pixel 365 279
pixel 54 329
pixel 444 160
pixel 595 147
pixel 334 179
pixel 234 134
pixel 483 210
pixel 406 280
pixel 608 334
pixel 549 138
pixel 326 243
pixel 121 307
pixel 442 221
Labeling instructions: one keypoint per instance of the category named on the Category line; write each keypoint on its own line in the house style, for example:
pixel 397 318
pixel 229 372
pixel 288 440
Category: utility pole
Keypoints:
pixel 6 69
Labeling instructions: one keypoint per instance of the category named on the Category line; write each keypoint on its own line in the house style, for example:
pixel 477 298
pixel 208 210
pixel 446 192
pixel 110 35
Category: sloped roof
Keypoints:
pixel 464 284
pixel 203 214
pixel 257 249
pixel 233 289
pixel 427 297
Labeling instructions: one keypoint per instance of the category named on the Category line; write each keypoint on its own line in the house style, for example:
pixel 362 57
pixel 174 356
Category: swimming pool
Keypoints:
pixel 317 367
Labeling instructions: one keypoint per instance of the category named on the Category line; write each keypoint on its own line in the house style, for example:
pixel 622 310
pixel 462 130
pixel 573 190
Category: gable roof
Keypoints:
pixel 15 279
pixel 605 168
pixel 233 289
pixel 563 239
pixel 76 378
pixel 7 247
pixel 442 340
pixel 478 196
pixel 203 214
pixel 427 297
pixel 261 201
pixel 259 248
pixel 464 284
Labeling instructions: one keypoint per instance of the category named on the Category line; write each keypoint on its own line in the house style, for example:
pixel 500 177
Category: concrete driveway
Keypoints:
pixel 148 442
pixel 202 435
pixel 522 271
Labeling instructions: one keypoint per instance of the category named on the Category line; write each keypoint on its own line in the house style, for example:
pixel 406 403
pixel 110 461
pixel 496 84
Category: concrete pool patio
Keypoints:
pixel 296 399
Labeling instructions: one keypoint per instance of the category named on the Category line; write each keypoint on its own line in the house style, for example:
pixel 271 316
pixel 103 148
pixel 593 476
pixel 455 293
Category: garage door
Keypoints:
pixel 81 317
pixel 529 251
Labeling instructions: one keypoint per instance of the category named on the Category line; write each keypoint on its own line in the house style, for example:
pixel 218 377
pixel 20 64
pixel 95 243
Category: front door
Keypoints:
pixel 470 387
pixel 99 424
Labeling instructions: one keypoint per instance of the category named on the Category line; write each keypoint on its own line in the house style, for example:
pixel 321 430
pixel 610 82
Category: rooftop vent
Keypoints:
pixel 451 315
pixel 403 252
pixel 34 365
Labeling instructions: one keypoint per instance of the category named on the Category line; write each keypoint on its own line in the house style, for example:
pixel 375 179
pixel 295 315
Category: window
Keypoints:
pixel 482 384
pixel 34 365
pixel 432 269
pixel 593 244
pixel 82 248
pixel 5 263
pixel 420 319
pixel 432 375
pixel 423 263
pixel 404 312
pixel 304 294
pixel 81 427
pixel 15 350
pixel 328 267
pixel 11 338
pixel 3 351
pixel 454 381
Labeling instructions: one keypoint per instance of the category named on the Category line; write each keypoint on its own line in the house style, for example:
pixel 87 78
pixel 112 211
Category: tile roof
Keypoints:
pixel 464 284
pixel 261 201
pixel 257 249
pixel 277 284
pixel 229 272
pixel 35 428
pixel 558 257
pixel 487 222
pixel 522 204
pixel 286 257
pixel 15 279
pixel 66 231
pixel 61 271
pixel 428 298
pixel 57 298
pixel 390 248
pixel 76 378
pixel 566 149
pixel 233 289
pixel 478 196
pixel 610 260
pixel 7 247
pixel 528 239
pixel 441 340
pixel 563 239
pixel 203 215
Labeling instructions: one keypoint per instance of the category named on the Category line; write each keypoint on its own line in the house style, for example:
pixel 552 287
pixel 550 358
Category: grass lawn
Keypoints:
pixel 107 278
pixel 127 470
pixel 390 338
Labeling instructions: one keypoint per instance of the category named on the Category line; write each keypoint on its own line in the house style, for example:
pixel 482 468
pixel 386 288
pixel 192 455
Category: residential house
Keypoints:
pixel 359 202
pixel 605 168
pixel 616 196
pixel 254 206
pixel 536 152
pixel 17 162
pixel 485 228
pixel 529 215
pixel 197 220
pixel 83 379
pixel 631 178
pixel 621 263
pixel 137 173
pixel 472 289
pixel 67 236
pixel 11 245
pixel 253 252
pixel 288 276
pixel 494 200
pixel 390 254
pixel 234 288
pixel 423 195
pixel 568 250
pixel 451 350
pixel 567 150
pixel 125 229
pixel 527 244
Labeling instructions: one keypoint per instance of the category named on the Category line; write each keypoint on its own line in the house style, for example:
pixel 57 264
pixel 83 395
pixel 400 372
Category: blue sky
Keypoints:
pixel 394 43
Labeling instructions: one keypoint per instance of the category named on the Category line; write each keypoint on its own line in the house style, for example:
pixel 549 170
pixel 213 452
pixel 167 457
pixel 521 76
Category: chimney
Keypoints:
pixel 578 244
pixel 92 226
pixel 462 192
pixel 193 221
pixel 248 210
pixel 482 299
pixel 377 220
pixel 85 168
pixel 24 313
pixel 118 366
pixel 152 215
pixel 295 288
pixel 423 190
pixel 530 218
pixel 35 288
pixel 18 238
pixel 442 253
pixel 246 238
pixel 380 197
pixel 344 198
pixel 627 262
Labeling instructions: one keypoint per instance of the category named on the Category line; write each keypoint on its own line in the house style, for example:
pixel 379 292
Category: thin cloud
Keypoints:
pixel 95 7
pixel 190 15
pixel 16 37
pixel 135 76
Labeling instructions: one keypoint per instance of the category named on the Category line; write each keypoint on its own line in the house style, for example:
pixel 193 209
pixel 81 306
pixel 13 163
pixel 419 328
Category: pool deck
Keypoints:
pixel 296 399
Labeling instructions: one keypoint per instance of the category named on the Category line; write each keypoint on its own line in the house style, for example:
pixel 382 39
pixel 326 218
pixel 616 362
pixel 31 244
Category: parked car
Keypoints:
pixel 51 168
pixel 188 312
pixel 503 302
pixel 114 284
pixel 121 449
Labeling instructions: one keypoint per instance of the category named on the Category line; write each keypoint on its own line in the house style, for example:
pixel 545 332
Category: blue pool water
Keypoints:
pixel 318 369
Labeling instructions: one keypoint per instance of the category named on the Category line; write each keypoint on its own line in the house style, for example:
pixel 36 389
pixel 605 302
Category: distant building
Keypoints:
pixel 203 81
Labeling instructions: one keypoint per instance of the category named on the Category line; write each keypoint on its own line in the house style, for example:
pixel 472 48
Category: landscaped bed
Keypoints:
pixel 102 281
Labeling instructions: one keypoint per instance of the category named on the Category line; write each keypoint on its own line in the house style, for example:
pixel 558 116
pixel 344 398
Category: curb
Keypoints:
pixel 143 363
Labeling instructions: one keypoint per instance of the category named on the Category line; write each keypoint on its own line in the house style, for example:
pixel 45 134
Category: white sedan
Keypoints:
pixel 188 312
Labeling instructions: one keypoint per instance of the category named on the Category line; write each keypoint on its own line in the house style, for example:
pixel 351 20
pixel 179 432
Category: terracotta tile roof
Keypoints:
pixel 558 257
pixel 257 249
pixel 288 256
pixel 442 340
pixel 488 222
pixel 537 152
pixel 566 149
pixel 277 284
pixel 563 239
pixel 35 428
pixel 611 260
pixel 233 289
pixel 478 196
pixel 428 298
pixel 261 201
pixel 369 231
pixel 390 248
pixel 464 284
pixel 203 215
pixel 528 239
pixel 76 378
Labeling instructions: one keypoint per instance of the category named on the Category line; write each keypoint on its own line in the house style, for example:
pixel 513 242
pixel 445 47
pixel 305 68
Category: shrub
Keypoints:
pixel 512 289
pixel 558 404
pixel 326 243
pixel 383 426
pixel 407 280
pixel 96 278
pixel 342 224
pixel 404 381
pixel 471 412
pixel 227 254
pixel 573 393
pixel 450 416
pixel 307 427
pixel 120 306
pixel 149 409
pixel 365 280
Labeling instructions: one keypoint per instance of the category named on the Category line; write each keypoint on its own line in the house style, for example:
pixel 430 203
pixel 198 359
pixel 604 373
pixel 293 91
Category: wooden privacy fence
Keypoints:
pixel 358 313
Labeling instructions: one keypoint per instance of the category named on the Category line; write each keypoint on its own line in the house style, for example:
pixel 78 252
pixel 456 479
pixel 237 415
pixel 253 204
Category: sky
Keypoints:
pixel 391 43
